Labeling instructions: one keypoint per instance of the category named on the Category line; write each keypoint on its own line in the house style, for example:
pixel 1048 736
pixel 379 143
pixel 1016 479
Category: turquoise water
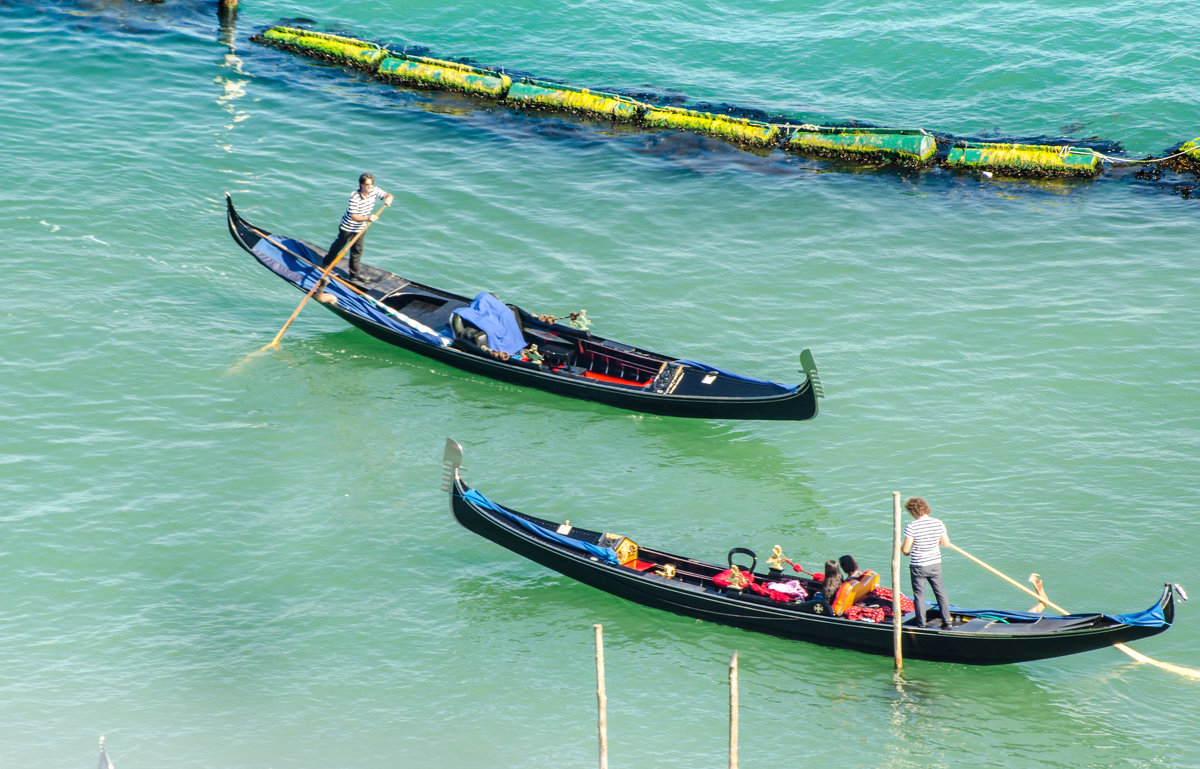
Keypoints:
pixel 253 566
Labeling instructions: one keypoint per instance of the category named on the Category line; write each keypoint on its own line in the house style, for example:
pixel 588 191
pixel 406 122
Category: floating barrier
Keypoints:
pixel 899 146
pixel 732 128
pixel 335 48
pixel 447 75
pixel 1025 159
pixel 540 94
pixel 890 145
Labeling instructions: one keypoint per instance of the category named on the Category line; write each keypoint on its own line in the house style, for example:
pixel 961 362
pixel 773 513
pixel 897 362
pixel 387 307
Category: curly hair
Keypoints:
pixel 917 506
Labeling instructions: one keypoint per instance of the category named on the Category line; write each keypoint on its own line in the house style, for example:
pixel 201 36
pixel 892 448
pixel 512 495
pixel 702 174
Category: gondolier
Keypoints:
pixel 359 213
pixel 923 539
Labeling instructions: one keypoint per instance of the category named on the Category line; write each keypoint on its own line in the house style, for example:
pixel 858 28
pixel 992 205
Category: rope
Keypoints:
pixel 1122 161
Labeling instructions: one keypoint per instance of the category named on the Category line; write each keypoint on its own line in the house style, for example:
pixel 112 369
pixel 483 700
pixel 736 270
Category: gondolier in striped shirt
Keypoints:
pixel 923 541
pixel 359 213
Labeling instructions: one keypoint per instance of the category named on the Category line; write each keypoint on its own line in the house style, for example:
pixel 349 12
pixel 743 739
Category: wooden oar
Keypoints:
pixel 1187 672
pixel 274 343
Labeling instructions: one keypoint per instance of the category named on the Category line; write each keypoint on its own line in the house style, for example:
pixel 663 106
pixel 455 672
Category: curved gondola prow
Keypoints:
pixel 808 367
pixel 451 465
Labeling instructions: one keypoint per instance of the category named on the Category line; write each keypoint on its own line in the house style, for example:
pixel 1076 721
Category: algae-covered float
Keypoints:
pixel 1025 159
pixel 888 145
pixel 486 337
pixel 735 129
pixel 542 94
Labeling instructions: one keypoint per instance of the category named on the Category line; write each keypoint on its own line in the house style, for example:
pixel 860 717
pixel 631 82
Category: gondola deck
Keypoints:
pixel 575 362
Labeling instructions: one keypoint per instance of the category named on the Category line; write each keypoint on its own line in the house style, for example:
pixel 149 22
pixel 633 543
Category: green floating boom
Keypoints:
pixel 1025 159
pixel 543 95
pixel 889 145
pixel 447 75
pixel 732 128
pixel 344 50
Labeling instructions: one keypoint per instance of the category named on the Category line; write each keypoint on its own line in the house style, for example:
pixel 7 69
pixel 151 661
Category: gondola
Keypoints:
pixel 573 361
pixel 662 580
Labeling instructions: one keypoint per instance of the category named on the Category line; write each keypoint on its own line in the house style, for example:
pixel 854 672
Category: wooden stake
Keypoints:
pixel 601 697
pixel 896 635
pixel 733 712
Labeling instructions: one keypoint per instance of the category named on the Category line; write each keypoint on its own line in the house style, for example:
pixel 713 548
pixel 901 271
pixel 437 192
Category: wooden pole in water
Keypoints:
pixel 601 697
pixel 228 4
pixel 733 712
pixel 896 581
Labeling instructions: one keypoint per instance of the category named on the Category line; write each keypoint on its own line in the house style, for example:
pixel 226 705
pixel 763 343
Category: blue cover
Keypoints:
pixel 304 273
pixel 606 554
pixel 1152 617
pixel 497 321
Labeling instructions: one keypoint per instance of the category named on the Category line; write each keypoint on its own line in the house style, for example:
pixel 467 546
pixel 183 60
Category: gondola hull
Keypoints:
pixel 384 308
pixel 978 641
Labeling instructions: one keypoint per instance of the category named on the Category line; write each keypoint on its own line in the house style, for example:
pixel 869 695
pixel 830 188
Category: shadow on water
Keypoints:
pixel 699 447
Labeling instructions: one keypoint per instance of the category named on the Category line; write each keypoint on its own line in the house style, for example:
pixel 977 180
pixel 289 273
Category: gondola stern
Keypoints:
pixel 808 366
pixel 452 465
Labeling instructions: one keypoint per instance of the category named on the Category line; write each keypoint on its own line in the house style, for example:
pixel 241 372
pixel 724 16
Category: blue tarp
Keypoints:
pixel 606 554
pixel 1152 617
pixel 497 321
pixel 305 272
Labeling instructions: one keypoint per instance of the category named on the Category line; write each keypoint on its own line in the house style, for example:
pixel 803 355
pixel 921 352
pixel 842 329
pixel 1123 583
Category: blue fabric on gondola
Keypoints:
pixel 731 375
pixel 606 554
pixel 497 321
pixel 305 274
pixel 1152 617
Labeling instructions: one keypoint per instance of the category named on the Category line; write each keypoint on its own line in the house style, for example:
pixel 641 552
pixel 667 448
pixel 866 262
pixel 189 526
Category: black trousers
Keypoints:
pixel 356 250
pixel 932 574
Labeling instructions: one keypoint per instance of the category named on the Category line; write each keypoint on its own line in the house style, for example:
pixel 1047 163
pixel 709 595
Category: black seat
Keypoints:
pixel 465 329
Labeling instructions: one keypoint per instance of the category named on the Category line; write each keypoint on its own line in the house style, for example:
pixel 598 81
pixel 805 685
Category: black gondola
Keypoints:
pixel 574 362
pixel 686 586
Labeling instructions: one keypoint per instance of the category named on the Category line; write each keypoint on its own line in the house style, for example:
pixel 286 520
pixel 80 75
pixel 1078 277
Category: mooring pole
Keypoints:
pixel 896 580
pixel 733 712
pixel 601 697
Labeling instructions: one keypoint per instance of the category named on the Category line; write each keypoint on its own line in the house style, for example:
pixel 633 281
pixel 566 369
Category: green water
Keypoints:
pixel 253 566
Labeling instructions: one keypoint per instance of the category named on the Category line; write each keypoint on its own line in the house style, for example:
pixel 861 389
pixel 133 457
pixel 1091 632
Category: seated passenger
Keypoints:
pixel 832 581
pixel 850 566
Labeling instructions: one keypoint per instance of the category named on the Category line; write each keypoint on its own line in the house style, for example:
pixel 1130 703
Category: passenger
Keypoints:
pixel 833 581
pixel 923 538
pixel 850 566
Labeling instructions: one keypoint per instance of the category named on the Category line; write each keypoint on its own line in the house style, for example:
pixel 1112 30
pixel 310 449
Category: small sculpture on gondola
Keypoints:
pixel 579 320
pixel 775 562
pixel 737 579
pixel 532 355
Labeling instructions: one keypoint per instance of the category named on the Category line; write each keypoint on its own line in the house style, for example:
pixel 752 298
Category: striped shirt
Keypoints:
pixel 926 533
pixel 360 206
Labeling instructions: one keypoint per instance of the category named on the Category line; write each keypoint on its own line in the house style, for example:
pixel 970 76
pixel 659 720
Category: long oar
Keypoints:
pixel 1188 672
pixel 320 282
